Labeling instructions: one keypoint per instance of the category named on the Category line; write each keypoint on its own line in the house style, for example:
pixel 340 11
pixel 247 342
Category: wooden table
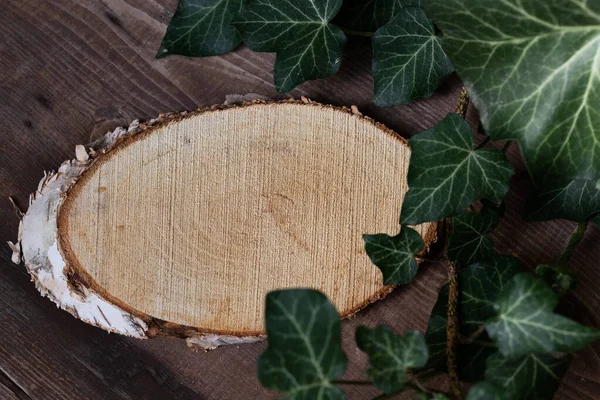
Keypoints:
pixel 70 71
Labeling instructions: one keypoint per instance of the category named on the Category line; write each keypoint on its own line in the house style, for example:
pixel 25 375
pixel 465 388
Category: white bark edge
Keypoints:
pixel 38 247
pixel 210 341
pixel 45 262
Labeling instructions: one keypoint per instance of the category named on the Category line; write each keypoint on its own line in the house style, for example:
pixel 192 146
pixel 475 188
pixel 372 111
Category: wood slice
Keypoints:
pixel 180 226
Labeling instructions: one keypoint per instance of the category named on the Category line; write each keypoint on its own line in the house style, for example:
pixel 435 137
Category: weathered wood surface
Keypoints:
pixel 71 70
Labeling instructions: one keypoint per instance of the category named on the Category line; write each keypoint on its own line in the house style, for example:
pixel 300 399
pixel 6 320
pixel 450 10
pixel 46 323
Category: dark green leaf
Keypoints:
pixel 408 60
pixel 487 391
pixel 395 255
pixel 559 278
pixel 532 70
pixel 467 243
pixel 428 396
pixel 480 285
pixel 305 352
pixel 307 45
pixel 201 28
pixel 596 220
pixel 366 16
pixel 446 174
pixel 526 324
pixel 391 355
pixel 575 201
pixel 490 206
pixel 472 359
pixel 531 377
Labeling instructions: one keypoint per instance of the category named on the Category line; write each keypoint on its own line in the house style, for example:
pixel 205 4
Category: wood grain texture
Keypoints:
pixel 70 71
pixel 195 221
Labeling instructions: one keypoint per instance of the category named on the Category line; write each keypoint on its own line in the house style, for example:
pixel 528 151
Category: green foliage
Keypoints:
pixel 527 324
pixel 427 396
pixel 305 352
pixel 529 377
pixel 307 45
pixel 487 391
pixel 390 355
pixel 559 278
pixel 366 16
pixel 408 60
pixel 531 68
pixel 446 174
pixel 480 285
pixel 395 255
pixel 471 363
pixel 576 201
pixel 467 243
pixel 201 28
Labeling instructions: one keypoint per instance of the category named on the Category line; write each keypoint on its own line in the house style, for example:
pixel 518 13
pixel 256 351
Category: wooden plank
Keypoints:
pixel 10 390
pixel 69 71
pixel 50 355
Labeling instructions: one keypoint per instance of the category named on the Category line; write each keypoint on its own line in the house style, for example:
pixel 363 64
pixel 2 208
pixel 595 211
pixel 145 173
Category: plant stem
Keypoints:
pixel 351 382
pixel 473 337
pixel 574 241
pixel 452 334
pixel 357 33
pixel 463 102
pixel 427 374
pixel 452 330
pixel 506 146
pixel 421 387
pixel 483 143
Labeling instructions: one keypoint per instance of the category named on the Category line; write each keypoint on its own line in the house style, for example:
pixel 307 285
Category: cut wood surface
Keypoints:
pixel 180 227
pixel 72 70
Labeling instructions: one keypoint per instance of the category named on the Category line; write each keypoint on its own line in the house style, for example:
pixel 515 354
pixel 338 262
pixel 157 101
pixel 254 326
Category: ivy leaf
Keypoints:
pixel 531 377
pixel 475 355
pixel 532 70
pixel 366 16
pixel 408 60
pixel 576 201
pixel 526 324
pixel 559 278
pixel 307 45
pixel 480 285
pixel 490 206
pixel 305 352
pixel 446 174
pixel 486 391
pixel 395 255
pixel 467 243
pixel 201 28
pixel 391 355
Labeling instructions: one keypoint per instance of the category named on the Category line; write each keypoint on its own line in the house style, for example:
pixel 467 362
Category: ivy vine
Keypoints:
pixel 532 70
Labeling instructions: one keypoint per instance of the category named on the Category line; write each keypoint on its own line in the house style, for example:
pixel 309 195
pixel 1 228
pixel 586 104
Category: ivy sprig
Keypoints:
pixel 532 70
pixel 308 37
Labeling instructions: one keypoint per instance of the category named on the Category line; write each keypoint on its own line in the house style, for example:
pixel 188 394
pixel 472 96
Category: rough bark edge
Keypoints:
pixel 74 290
pixel 46 265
